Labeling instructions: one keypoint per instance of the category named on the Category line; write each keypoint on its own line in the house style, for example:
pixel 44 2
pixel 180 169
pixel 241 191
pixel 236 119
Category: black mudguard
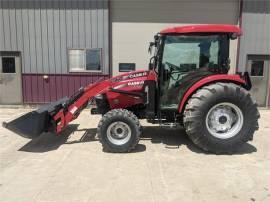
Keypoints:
pixel 246 77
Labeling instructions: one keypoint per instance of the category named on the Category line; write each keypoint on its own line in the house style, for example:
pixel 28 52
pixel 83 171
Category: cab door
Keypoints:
pixel 186 59
pixel 10 78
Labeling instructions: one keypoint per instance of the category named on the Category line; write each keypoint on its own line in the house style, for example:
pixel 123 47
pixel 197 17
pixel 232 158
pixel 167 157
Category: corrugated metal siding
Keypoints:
pixel 256 6
pixel 43 30
pixel 38 90
pixel 256 31
pixel 175 11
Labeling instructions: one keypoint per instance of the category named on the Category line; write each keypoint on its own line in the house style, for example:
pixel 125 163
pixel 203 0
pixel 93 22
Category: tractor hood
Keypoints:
pixel 132 81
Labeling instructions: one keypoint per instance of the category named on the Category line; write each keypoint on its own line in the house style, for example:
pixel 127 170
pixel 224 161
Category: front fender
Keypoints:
pixel 207 80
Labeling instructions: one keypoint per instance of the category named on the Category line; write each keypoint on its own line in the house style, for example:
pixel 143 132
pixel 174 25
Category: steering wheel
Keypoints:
pixel 173 68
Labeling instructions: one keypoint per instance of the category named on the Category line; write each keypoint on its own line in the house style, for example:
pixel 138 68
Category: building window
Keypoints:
pixel 93 59
pixel 85 60
pixel 257 68
pixel 8 65
pixel 127 67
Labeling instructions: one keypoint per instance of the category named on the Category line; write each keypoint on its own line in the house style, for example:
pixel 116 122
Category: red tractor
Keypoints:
pixel 187 84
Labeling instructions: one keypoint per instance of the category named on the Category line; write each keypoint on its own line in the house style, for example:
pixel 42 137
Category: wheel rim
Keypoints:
pixel 118 133
pixel 224 120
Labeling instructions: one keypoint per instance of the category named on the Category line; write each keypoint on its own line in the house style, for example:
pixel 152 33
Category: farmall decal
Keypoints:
pixel 132 83
pixel 135 83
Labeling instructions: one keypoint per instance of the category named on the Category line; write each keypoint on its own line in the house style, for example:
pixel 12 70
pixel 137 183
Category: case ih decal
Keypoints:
pixel 136 75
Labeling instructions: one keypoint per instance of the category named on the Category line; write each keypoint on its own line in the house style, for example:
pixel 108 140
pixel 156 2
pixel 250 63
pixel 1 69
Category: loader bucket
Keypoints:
pixel 34 123
pixel 29 125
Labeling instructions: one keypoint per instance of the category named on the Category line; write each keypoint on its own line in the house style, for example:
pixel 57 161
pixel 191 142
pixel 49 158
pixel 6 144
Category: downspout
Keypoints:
pixel 239 39
pixel 110 39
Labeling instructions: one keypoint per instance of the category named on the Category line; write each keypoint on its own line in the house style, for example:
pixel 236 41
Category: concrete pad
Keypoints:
pixel 165 166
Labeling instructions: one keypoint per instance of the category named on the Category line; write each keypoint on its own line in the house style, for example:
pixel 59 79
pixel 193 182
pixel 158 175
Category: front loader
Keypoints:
pixel 187 84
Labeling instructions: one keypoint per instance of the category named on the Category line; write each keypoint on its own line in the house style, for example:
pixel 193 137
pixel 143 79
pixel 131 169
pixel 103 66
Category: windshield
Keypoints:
pixel 191 52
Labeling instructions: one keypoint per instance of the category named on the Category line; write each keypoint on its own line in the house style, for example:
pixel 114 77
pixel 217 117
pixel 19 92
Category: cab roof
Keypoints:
pixel 210 28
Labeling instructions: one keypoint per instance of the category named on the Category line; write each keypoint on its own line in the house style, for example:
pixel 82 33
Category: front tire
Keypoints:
pixel 119 131
pixel 221 117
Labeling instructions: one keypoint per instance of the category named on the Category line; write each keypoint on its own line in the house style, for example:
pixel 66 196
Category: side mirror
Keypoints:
pixel 233 36
pixel 150 66
pixel 150 47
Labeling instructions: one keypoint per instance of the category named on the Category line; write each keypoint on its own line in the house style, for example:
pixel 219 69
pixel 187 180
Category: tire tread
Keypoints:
pixel 119 112
pixel 192 117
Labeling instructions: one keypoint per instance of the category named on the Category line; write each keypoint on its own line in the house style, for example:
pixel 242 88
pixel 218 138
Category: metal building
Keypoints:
pixel 255 47
pixel 49 48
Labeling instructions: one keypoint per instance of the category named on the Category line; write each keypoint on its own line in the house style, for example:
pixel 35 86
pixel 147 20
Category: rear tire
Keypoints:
pixel 221 117
pixel 119 131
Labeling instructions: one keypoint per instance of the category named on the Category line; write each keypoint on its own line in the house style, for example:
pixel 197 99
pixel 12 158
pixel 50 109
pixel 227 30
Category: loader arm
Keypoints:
pixel 67 114
pixel 57 115
pixel 127 89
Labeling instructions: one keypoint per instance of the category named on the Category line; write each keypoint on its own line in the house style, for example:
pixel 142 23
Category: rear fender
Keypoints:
pixel 207 80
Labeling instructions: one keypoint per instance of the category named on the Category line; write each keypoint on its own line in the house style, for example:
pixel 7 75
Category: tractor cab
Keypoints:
pixel 184 55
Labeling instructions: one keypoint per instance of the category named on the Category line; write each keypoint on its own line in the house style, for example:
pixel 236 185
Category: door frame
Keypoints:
pixel 267 65
pixel 266 59
pixel 18 61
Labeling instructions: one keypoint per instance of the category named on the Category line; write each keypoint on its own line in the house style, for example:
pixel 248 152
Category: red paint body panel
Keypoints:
pixel 210 79
pixel 131 82
pixel 64 118
pixel 211 28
